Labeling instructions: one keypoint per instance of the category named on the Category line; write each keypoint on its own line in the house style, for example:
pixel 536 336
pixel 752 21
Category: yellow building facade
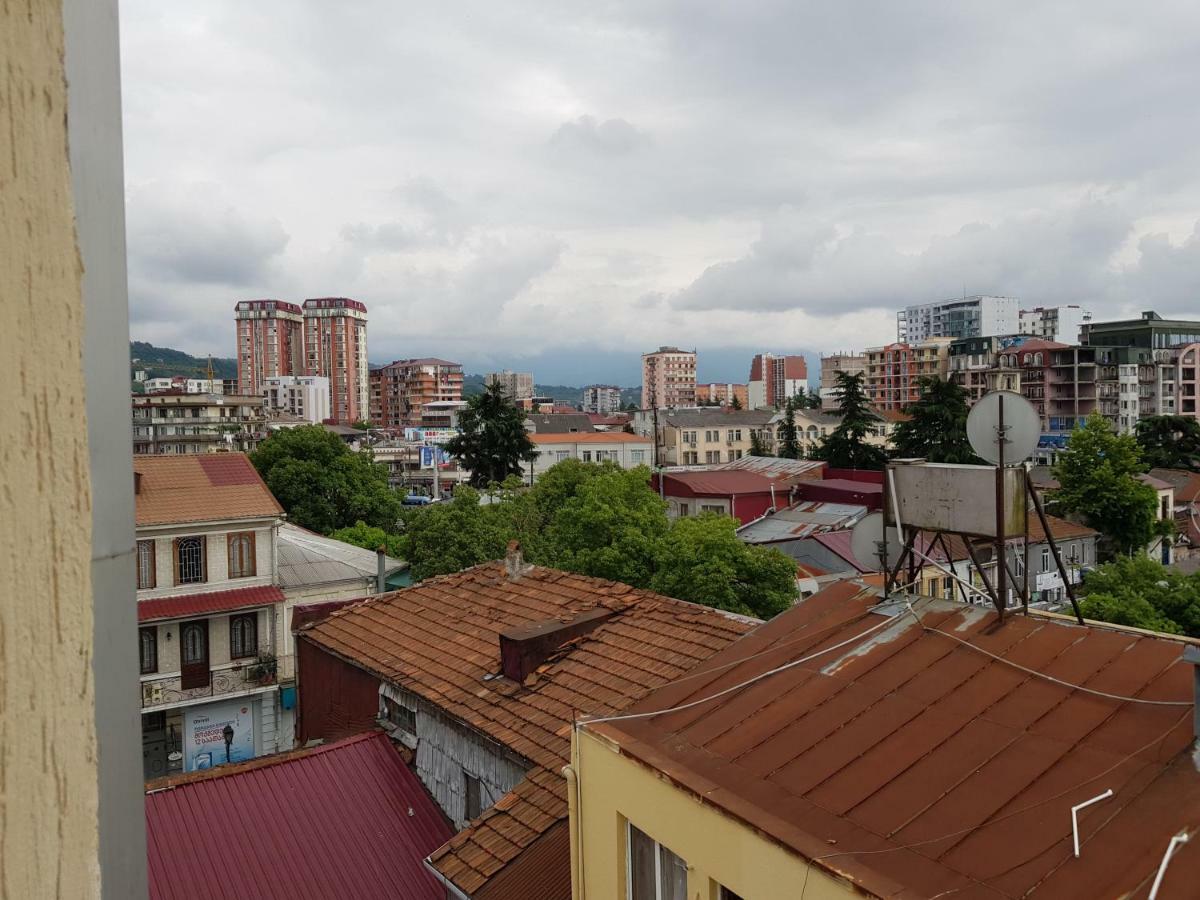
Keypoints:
pixel 611 794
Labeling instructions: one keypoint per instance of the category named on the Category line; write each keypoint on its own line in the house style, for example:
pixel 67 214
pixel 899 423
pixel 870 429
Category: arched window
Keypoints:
pixel 148 641
pixel 1037 359
pixel 812 432
pixel 190 565
pixel 243 636
pixel 241 554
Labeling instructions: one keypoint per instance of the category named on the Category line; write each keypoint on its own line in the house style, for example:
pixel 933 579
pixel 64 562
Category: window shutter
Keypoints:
pixel 253 552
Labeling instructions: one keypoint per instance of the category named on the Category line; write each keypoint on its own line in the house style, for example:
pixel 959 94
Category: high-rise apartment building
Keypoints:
pixel 775 379
pixel 601 399
pixel 1150 331
pixel 966 317
pixel 850 363
pixel 518 385
pixel 335 346
pixel 270 342
pixel 1055 323
pixel 894 371
pixel 668 378
pixel 400 389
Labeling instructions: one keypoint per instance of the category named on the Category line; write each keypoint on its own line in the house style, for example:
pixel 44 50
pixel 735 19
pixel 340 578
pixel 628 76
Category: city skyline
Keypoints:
pixel 591 179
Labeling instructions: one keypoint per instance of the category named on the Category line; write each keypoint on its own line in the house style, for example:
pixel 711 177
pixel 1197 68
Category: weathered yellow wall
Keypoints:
pixel 48 782
pixel 718 849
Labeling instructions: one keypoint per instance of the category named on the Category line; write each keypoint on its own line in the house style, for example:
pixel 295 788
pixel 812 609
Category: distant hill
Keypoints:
pixel 567 394
pixel 163 362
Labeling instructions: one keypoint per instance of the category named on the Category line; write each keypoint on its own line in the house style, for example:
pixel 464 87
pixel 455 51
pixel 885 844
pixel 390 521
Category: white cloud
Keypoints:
pixel 781 174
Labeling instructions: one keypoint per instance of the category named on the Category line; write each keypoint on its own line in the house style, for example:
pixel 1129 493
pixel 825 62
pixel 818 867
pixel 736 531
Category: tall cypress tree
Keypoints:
pixel 937 425
pixel 789 438
pixel 493 442
pixel 846 446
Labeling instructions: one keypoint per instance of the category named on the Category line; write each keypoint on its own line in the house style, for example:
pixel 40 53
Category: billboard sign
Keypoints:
pixel 429 454
pixel 206 743
pixel 429 435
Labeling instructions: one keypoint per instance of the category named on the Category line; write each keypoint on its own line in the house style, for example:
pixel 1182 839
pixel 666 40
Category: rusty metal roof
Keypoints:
pixel 909 763
pixel 440 640
pixel 801 520
pixel 348 819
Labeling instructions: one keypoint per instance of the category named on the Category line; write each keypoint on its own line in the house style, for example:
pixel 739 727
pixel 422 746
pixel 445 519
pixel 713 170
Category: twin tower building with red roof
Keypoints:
pixel 326 337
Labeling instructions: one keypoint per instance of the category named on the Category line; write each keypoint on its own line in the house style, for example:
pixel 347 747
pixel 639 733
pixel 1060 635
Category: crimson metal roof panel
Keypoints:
pixel 344 820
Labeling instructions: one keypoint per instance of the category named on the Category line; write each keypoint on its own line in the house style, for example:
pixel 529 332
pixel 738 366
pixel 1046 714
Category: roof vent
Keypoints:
pixel 525 647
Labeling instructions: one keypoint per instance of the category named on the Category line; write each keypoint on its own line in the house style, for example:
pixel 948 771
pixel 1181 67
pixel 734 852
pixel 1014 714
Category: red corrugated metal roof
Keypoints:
pixel 721 481
pixel 908 763
pixel 349 819
pixel 205 604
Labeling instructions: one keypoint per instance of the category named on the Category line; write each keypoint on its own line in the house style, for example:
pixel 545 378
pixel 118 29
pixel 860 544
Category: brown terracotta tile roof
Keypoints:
pixel 200 488
pixel 911 764
pixel 440 639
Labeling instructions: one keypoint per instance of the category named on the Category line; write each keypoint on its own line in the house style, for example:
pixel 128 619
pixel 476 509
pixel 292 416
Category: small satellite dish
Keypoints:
pixel 1022 427
pixel 866 543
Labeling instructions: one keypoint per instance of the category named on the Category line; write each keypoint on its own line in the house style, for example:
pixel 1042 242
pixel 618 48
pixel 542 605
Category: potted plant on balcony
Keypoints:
pixel 263 669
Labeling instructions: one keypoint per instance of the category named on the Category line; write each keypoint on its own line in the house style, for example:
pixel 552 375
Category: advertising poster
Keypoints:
pixel 206 740
pixel 429 454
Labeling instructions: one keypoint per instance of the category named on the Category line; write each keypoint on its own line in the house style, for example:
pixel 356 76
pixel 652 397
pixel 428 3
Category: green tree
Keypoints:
pixel 360 534
pixel 1170 442
pixel 323 484
pixel 735 403
pixel 453 535
pixel 493 442
pixel 789 437
pixel 846 446
pixel 937 425
pixel 757 446
pixel 1097 481
pixel 1137 591
pixel 701 559
pixel 608 526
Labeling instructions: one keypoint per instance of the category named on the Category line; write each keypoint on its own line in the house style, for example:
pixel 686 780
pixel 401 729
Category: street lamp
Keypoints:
pixel 227 733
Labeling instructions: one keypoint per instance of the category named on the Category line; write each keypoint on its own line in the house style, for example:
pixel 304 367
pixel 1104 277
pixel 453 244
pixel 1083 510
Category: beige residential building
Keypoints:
pixel 517 385
pixel 668 378
pixel 696 437
pixel 172 424
pixel 626 450
pixel 850 363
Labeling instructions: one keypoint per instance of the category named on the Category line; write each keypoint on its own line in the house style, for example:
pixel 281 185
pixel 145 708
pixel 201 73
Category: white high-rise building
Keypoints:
pixel 306 396
pixel 965 317
pixel 1055 323
pixel 601 399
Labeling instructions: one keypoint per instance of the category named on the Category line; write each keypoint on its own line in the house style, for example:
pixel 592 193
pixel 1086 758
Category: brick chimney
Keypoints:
pixel 525 647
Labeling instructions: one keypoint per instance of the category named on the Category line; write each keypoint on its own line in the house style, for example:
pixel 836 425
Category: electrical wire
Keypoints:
pixel 1051 678
pixel 746 683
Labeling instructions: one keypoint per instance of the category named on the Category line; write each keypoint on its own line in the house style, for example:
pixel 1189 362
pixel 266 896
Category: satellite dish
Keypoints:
pixel 1022 427
pixel 866 543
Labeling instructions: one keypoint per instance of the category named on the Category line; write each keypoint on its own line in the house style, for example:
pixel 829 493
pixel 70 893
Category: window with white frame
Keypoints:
pixel 654 872
pixel 637 456
pixel 1045 559
pixel 145 565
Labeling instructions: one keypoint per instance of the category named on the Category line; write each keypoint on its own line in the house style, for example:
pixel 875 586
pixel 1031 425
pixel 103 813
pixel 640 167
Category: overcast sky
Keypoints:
pixel 563 185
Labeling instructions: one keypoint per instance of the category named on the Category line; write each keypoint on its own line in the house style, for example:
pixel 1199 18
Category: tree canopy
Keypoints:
pixel 937 425
pixel 1097 480
pixel 360 534
pixel 323 484
pixel 492 443
pixel 600 520
pixel 1137 591
pixel 1170 442
pixel 701 559
pixel 846 446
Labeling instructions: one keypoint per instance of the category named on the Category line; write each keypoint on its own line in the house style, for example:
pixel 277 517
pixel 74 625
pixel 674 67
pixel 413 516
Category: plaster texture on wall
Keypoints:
pixel 48 764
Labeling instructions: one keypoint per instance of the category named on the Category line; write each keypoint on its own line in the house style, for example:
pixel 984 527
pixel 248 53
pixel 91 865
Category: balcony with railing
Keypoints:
pixel 259 674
